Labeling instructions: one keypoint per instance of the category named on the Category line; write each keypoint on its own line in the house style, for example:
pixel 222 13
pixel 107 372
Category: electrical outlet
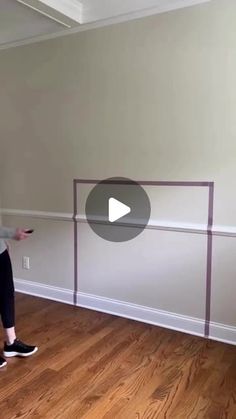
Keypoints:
pixel 26 262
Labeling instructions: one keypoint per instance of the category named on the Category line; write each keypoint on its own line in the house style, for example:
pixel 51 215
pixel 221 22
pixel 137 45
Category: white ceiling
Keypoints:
pixel 20 24
pixel 94 10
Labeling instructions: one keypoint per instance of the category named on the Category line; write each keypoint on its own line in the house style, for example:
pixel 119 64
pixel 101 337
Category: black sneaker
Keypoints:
pixel 18 348
pixel 3 362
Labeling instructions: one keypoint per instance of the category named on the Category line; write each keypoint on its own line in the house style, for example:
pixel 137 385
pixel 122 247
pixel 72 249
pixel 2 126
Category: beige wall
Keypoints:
pixel 152 99
pixel 50 251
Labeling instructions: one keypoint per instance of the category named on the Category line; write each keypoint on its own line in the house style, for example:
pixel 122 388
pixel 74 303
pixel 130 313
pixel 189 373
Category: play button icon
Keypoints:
pixel 117 209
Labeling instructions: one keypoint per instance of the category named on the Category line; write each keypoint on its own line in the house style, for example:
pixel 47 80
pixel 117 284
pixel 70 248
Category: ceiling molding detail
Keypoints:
pixel 70 8
pixel 166 6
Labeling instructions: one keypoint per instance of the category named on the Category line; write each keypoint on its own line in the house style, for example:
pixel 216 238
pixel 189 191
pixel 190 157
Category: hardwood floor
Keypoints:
pixel 92 365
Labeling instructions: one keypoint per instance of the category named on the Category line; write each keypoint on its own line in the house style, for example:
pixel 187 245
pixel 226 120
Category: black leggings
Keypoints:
pixel 7 298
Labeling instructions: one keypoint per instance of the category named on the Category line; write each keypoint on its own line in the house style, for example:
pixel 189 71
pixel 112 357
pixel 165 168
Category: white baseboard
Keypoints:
pixel 173 321
pixel 141 313
pixel 223 333
pixel 44 291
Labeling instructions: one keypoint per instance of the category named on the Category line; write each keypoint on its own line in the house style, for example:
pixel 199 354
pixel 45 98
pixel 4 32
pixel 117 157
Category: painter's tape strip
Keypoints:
pixel 210 186
pixel 209 260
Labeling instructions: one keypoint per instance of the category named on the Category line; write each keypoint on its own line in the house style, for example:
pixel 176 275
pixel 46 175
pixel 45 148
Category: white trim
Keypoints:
pixel 143 314
pixel 227 231
pixel 61 216
pixel 164 225
pixel 73 9
pixel 223 333
pixel 41 12
pixel 169 320
pixel 153 225
pixel 180 4
pixel 49 292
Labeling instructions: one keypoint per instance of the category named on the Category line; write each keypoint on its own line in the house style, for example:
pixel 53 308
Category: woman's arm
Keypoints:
pixel 7 233
pixel 13 233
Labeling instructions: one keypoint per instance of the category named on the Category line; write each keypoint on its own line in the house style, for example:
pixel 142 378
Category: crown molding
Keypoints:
pixel 170 6
pixel 73 9
pixel 66 12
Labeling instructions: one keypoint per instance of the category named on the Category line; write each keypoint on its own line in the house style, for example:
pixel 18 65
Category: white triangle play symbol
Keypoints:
pixel 116 210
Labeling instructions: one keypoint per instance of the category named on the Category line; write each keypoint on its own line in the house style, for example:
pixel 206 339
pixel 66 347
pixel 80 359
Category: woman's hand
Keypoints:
pixel 21 234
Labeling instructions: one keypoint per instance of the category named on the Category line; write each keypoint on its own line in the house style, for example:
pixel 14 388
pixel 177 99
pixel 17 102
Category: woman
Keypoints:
pixel 12 345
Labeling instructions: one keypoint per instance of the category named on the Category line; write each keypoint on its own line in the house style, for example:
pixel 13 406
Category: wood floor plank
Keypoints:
pixel 50 355
pixel 23 401
pixel 116 373
pixel 92 365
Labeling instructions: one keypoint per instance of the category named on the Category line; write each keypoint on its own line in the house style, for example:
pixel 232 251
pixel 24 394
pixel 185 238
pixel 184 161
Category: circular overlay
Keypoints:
pixel 117 209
